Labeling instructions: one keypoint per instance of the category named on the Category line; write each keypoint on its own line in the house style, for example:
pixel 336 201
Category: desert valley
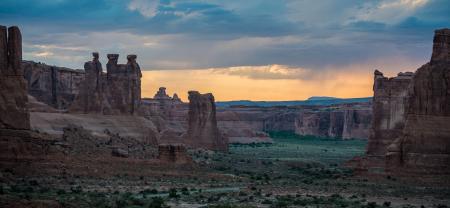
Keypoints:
pixel 225 104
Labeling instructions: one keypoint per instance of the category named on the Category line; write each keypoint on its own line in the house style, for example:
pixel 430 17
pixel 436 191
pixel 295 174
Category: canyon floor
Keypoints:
pixel 294 171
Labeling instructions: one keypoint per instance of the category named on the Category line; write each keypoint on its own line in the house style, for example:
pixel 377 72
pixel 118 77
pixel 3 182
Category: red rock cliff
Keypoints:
pixel 424 146
pixel 13 88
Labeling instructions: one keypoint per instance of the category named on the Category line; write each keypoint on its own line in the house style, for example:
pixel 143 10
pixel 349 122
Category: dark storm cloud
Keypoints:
pixel 201 34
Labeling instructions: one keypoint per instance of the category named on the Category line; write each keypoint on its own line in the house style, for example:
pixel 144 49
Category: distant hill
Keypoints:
pixel 322 98
pixel 309 101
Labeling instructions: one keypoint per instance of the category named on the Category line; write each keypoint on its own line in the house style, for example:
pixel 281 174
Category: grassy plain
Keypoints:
pixel 294 171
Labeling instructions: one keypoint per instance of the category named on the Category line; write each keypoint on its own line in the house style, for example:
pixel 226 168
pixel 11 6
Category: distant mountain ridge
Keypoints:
pixel 316 100
pixel 322 98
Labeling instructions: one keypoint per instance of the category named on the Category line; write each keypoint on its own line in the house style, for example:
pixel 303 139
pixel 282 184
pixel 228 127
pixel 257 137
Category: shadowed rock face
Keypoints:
pixel 390 102
pixel 424 145
pixel 116 92
pixel 340 121
pixel 13 88
pixel 52 85
pixel 202 124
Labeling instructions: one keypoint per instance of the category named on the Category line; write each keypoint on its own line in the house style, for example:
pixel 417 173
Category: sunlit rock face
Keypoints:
pixel 424 145
pixel 202 124
pixel 14 112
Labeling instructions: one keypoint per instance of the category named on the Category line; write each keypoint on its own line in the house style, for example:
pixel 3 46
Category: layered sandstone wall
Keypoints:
pixel 243 125
pixel 52 85
pixel 424 145
pixel 390 102
pixel 345 121
pixel 282 121
pixel 357 123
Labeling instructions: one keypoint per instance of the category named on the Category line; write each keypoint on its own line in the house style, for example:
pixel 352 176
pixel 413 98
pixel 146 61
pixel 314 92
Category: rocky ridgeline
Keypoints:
pixel 58 87
pixel 411 123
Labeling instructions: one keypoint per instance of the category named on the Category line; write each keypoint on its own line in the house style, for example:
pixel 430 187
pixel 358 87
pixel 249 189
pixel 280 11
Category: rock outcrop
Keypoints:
pixel 173 153
pixel 52 85
pixel 116 92
pixel 282 121
pixel 389 103
pixel 123 84
pixel 424 144
pixel 357 123
pixel 202 124
pixel 243 125
pixel 13 88
pixel 341 121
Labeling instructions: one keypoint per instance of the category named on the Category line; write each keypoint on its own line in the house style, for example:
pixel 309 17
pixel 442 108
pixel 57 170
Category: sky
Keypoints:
pixel 238 50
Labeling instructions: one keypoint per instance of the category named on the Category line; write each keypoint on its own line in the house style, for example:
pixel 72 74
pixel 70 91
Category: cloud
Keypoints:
pixel 389 11
pixel 43 54
pixel 168 34
pixel 267 72
pixel 147 8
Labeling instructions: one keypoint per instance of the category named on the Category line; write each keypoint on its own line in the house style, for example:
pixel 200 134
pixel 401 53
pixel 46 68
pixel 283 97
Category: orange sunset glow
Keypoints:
pixel 269 83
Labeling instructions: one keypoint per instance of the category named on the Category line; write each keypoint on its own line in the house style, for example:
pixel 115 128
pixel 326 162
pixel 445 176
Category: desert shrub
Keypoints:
pixel 229 206
pixel 76 189
pixel 173 193
pixel 149 191
pixel 371 205
pixel 266 201
pixel 185 191
pixel 157 202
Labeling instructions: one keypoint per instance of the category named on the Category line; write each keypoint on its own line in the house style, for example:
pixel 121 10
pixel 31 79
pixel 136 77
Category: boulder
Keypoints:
pixel 173 154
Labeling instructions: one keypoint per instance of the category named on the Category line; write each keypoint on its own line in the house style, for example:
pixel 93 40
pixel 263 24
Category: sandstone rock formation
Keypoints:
pixel 282 121
pixel 52 85
pixel 116 92
pixel 243 125
pixel 91 97
pixel 173 153
pixel 202 130
pixel 424 144
pixel 389 103
pixel 102 126
pixel 313 123
pixel 161 94
pixel 13 88
pixel 340 121
pixel 357 123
